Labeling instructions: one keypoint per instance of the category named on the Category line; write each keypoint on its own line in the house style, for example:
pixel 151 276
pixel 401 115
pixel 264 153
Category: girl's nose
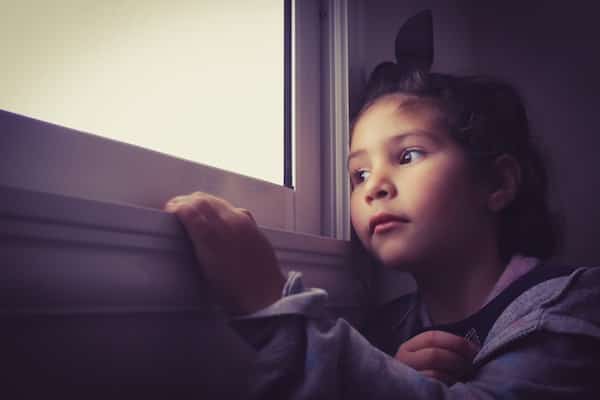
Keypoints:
pixel 381 188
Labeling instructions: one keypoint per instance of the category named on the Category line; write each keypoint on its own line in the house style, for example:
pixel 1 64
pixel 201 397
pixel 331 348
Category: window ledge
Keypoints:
pixel 68 254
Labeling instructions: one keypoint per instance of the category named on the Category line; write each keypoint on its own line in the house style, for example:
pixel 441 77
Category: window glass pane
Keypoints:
pixel 198 79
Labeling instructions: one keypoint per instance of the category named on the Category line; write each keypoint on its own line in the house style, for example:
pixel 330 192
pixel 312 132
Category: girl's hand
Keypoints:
pixel 438 355
pixel 236 258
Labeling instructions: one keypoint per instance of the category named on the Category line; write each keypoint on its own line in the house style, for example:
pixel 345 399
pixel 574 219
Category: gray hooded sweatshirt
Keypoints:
pixel 544 345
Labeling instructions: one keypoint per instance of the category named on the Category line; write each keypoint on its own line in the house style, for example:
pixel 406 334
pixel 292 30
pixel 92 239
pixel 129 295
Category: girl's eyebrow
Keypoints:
pixel 398 138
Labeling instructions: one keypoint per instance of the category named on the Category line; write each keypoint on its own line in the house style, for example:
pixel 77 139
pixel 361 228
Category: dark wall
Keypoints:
pixel 550 51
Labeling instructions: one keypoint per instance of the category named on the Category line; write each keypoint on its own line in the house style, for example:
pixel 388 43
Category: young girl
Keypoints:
pixel 446 185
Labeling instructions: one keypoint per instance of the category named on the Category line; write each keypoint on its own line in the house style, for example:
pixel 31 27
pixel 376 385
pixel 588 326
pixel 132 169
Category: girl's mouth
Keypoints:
pixel 387 226
pixel 384 222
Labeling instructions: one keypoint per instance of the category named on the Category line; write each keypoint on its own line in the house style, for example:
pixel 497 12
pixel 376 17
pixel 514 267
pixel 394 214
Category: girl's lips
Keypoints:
pixel 384 221
pixel 387 226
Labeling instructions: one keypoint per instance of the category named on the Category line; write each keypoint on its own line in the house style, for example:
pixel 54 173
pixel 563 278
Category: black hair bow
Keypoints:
pixel 414 51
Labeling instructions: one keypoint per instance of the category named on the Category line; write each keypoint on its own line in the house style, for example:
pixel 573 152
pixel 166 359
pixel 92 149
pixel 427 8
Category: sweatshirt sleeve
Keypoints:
pixel 303 354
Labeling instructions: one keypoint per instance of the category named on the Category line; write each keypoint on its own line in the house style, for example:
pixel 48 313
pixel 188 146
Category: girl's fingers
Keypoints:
pixel 439 364
pixel 195 197
pixel 442 340
pixel 205 218
pixel 435 359
pixel 247 213
pixel 170 204
pixel 199 207
pixel 237 260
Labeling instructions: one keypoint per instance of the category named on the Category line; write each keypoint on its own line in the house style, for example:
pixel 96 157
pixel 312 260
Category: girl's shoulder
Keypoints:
pixel 546 294
pixel 563 303
pixel 519 308
pixel 549 289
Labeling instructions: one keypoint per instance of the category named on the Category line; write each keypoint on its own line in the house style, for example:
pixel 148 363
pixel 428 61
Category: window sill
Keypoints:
pixel 68 254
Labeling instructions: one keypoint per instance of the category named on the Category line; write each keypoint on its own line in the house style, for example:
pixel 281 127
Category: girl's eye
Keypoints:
pixel 411 155
pixel 361 175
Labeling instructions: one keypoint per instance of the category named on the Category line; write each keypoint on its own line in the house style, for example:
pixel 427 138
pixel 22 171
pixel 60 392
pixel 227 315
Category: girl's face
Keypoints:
pixel 407 170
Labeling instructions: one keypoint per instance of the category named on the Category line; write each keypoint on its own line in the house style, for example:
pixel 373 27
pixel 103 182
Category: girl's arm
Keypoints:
pixel 305 355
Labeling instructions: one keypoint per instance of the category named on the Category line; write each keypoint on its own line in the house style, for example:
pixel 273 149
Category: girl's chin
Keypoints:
pixel 397 263
pixel 403 261
pixel 399 266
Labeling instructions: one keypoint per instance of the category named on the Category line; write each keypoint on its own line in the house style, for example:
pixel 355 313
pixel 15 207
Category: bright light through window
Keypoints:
pixel 199 79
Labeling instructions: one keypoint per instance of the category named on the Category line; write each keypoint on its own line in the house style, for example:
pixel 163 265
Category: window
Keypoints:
pixel 84 241
pixel 67 162
pixel 202 81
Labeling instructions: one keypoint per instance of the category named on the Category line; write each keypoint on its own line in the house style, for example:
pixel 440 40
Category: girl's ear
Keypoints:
pixel 507 172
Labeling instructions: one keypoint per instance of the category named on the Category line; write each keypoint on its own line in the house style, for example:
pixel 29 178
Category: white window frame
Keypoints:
pixel 39 157
pixel 58 160
pixel 335 121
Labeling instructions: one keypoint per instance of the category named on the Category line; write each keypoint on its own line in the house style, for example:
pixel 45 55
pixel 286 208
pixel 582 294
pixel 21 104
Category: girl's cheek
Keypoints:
pixel 356 216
